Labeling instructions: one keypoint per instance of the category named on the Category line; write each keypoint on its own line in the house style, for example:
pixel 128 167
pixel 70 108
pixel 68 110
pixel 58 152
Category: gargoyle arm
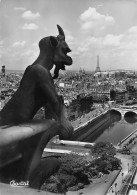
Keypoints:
pixel 44 81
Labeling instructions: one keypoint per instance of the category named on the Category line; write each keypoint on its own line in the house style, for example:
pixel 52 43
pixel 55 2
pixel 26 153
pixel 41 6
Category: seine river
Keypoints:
pixel 114 130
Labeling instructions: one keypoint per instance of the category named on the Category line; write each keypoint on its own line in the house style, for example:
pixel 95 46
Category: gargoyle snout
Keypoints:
pixel 69 61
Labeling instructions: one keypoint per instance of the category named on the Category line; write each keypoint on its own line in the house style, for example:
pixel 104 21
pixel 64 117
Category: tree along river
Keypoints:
pixel 114 130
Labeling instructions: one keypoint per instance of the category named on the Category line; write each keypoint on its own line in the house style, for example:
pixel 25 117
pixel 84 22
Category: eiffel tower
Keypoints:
pixel 97 68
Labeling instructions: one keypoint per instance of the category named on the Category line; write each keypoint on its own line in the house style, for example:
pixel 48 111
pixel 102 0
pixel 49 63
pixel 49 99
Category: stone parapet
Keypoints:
pixel 21 149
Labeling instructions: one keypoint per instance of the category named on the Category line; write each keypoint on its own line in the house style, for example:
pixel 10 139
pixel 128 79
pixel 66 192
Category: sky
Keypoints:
pixel 107 28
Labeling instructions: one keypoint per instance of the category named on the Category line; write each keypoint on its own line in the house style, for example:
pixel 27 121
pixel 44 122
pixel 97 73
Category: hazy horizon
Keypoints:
pixel 62 71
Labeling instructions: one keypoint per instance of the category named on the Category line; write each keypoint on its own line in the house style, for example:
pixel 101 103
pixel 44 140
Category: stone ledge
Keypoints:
pixel 6 189
pixel 10 134
pixel 21 149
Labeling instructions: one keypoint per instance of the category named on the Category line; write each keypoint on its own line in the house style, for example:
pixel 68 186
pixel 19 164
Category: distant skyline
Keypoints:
pixel 107 28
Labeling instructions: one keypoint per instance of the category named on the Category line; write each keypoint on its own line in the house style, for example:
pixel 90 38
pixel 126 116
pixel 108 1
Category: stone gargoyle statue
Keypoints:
pixel 37 90
pixel 37 86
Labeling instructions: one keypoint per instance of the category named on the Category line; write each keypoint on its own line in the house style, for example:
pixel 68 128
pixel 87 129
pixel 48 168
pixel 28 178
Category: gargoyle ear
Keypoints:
pixel 53 41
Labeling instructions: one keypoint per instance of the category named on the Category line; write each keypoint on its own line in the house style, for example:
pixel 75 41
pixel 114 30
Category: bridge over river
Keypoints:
pixel 126 111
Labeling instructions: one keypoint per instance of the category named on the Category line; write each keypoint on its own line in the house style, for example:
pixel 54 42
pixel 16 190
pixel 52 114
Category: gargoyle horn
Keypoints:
pixel 61 33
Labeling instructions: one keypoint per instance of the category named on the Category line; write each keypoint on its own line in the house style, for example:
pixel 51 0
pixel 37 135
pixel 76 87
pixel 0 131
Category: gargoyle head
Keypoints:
pixel 61 49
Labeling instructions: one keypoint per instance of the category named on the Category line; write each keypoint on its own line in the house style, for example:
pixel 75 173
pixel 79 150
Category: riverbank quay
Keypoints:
pixel 107 184
pixel 133 152
pixel 126 171
pixel 97 187
pixel 130 167
pixel 82 132
pixel 126 139
pixel 128 182
pixel 87 118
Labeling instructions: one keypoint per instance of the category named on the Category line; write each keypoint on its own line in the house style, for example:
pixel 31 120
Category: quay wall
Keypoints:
pixel 83 133
pixel 125 139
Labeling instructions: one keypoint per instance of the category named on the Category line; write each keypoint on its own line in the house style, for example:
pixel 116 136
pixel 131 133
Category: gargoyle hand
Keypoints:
pixel 66 130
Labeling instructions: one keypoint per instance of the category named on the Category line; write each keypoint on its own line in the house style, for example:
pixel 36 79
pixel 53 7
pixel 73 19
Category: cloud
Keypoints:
pixel 91 19
pixel 124 45
pixel 85 46
pixel 68 36
pixel 112 40
pixel 30 26
pixel 1 48
pixel 107 45
pixel 129 40
pixel 100 5
pixel 19 43
pixel 1 42
pixel 35 44
pixel 29 15
pixel 27 53
pixel 19 8
pixel 132 29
